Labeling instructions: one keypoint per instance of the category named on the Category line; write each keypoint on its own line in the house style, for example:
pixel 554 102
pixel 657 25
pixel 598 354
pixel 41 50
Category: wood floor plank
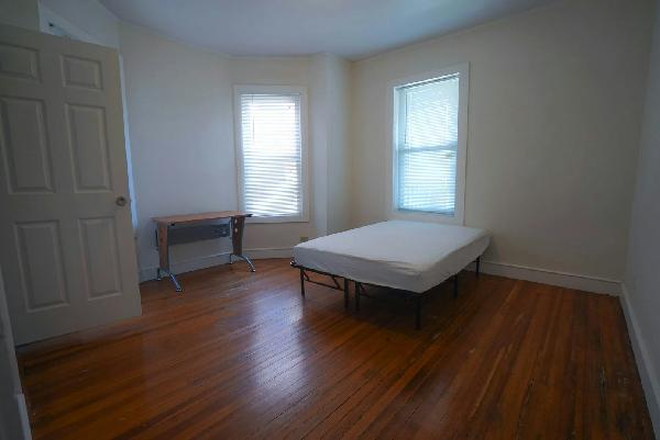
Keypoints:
pixel 241 355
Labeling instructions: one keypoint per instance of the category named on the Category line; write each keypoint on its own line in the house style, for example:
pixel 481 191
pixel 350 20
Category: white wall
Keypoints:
pixel 330 77
pixel 642 292
pixel 319 139
pixel 87 20
pixel 554 109
pixel 339 158
pixel 180 122
pixel 180 107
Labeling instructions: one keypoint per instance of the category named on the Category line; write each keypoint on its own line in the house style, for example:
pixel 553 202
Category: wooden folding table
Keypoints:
pixel 165 224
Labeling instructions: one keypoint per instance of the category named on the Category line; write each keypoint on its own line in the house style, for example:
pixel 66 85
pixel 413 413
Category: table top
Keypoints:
pixel 193 218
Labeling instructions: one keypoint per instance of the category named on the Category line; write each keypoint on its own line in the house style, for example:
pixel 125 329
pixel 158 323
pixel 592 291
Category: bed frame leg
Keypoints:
pixel 357 296
pixel 456 286
pixel 302 282
pixel 418 312
pixel 477 264
pixel 346 288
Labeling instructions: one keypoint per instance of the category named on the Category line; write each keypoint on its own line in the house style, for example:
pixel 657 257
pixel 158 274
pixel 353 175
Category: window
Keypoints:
pixel 271 141
pixel 429 145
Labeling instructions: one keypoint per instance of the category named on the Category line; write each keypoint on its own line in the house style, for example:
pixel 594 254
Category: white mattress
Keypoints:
pixel 406 255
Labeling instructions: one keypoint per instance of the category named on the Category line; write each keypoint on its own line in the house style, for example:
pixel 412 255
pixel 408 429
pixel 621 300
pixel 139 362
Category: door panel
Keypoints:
pixel 19 62
pixel 42 264
pixel 87 131
pixel 99 243
pixel 66 247
pixel 82 72
pixel 24 144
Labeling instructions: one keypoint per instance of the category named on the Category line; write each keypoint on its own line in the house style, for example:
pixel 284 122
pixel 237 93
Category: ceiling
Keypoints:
pixel 353 29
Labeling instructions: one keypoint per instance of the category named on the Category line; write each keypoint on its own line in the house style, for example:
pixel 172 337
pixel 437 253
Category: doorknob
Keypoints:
pixel 121 201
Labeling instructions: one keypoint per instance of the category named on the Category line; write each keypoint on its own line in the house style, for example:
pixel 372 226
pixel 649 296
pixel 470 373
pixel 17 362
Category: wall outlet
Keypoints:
pixel 303 239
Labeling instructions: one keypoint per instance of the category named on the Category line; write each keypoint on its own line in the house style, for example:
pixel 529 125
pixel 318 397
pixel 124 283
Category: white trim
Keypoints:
pixel 61 27
pixel 645 367
pixel 206 261
pixel 551 277
pixel 25 418
pixel 274 89
pixel 507 270
pixel 463 70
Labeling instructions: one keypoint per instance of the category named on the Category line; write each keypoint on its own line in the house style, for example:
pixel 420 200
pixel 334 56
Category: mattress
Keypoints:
pixel 407 255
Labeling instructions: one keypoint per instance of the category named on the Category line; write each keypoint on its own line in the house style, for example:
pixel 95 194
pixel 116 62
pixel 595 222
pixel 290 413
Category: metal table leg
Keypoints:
pixel 237 226
pixel 177 286
pixel 164 257
pixel 244 258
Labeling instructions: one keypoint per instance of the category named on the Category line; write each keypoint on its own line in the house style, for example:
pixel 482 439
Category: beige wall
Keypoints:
pixel 554 109
pixel 180 122
pixel 180 109
pixel 339 159
pixel 330 77
pixel 642 294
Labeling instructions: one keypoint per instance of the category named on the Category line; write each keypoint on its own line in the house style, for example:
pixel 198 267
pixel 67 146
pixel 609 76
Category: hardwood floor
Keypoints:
pixel 242 355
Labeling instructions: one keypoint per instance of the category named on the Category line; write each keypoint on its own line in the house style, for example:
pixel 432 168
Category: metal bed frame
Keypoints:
pixel 360 290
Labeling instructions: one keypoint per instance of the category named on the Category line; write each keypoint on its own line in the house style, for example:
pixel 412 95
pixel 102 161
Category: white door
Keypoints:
pixel 66 242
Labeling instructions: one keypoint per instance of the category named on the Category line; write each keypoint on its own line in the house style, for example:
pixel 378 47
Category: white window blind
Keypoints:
pixel 426 145
pixel 271 150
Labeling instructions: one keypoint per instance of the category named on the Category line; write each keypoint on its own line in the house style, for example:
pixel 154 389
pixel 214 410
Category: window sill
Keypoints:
pixel 275 220
pixel 426 216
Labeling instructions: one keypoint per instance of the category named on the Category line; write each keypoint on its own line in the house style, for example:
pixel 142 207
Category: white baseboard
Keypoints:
pixel 644 365
pixel 149 273
pixel 264 253
pixel 554 278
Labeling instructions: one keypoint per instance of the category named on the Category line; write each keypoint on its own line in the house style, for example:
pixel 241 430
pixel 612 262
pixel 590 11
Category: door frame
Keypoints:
pixel 13 410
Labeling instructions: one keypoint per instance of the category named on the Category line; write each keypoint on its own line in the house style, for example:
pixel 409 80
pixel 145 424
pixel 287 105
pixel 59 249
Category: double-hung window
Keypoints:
pixel 429 145
pixel 271 152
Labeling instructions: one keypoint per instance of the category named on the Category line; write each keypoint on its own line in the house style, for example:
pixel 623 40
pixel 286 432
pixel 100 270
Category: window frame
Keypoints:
pixel 240 90
pixel 393 211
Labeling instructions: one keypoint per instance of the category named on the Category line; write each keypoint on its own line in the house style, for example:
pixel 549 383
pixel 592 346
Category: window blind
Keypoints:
pixel 271 144
pixel 426 145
